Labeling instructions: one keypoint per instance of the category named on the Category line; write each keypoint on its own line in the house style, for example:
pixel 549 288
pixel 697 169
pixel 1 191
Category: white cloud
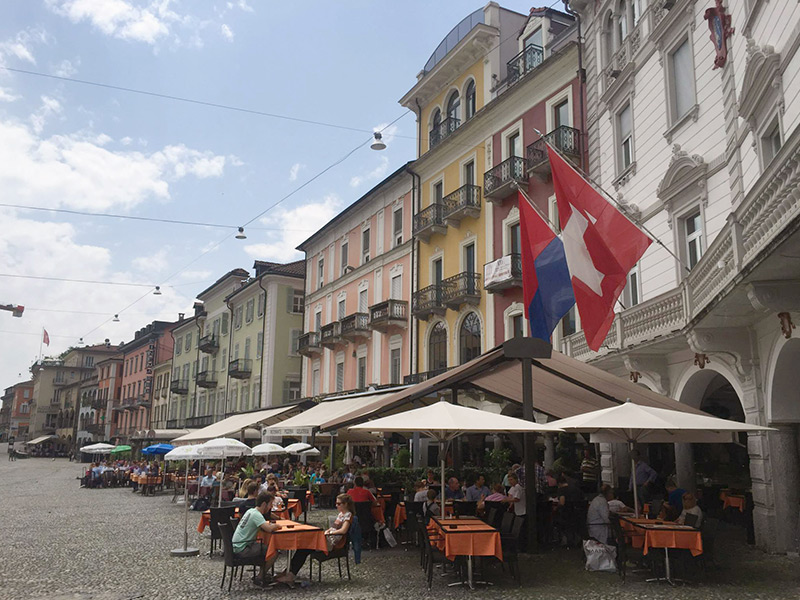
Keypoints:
pixel 76 171
pixel 19 46
pixel 7 95
pixel 375 174
pixel 152 264
pixel 226 32
pixel 195 275
pixel 50 106
pixel 388 132
pixel 126 141
pixel 298 224
pixel 295 170
pixel 66 68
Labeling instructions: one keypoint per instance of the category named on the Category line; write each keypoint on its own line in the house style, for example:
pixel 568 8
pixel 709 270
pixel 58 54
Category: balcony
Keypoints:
pixel 442 131
pixel 179 386
pixel 241 368
pixel 142 401
pixel 206 379
pixel 464 288
pixel 96 428
pixel 331 334
pixel 523 63
pixel 420 377
pixel 503 273
pixel 617 67
pixel 197 422
pixel 501 180
pixel 356 326
pixel 386 315
pixel 564 139
pixel 429 221
pixel 209 343
pixel 97 403
pixel 308 344
pixel 428 301
pixel 49 429
pixel 172 423
pixel 464 202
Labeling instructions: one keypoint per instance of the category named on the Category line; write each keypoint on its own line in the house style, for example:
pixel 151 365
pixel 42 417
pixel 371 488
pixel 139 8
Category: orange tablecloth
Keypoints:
pixel 286 514
pixel 648 534
pixel 145 480
pixel 400 512
pixel 468 536
pixel 732 501
pixel 379 511
pixel 294 536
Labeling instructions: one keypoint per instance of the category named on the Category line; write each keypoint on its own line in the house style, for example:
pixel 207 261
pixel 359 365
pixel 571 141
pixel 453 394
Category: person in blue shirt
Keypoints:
pixel 453 490
pixel 645 478
pixel 674 504
pixel 478 490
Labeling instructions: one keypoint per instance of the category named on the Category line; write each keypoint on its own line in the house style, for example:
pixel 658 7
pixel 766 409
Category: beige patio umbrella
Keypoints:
pixel 444 421
pixel 634 423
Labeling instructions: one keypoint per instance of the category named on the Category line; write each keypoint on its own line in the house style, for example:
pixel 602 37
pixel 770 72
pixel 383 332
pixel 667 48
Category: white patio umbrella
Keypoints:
pixel 99 448
pixel 297 448
pixel 186 453
pixel 267 449
pixel 444 421
pixel 311 452
pixel 634 423
pixel 223 448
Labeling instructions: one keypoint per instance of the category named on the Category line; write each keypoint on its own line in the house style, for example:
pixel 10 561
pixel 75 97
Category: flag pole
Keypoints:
pixel 624 212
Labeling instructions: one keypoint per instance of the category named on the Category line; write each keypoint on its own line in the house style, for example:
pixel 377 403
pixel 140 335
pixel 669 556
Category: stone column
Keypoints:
pixel 549 451
pixel 416 461
pixel 684 467
pixel 498 442
pixel 785 490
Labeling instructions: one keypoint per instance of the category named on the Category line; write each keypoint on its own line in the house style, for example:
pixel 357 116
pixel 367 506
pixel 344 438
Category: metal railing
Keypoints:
pixel 503 273
pixel 179 386
pixel 209 343
pixel 206 379
pixel 331 333
pixel 240 368
pixel 429 217
pixel 424 376
pixel 355 324
pixel 461 288
pixel 443 130
pixel 566 140
pixel 497 178
pixel 308 342
pixel 464 201
pixel 523 63
pixel 427 300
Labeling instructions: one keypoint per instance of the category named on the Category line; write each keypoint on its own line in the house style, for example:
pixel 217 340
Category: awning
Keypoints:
pixel 562 387
pixel 166 434
pixel 236 423
pixel 329 410
pixel 41 439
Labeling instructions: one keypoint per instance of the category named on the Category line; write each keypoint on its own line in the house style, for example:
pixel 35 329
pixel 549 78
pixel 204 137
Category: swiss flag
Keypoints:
pixel 601 245
pixel 45 337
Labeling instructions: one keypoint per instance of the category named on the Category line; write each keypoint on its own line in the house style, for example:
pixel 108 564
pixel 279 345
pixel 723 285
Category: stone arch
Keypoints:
pixel 435 328
pixel 783 377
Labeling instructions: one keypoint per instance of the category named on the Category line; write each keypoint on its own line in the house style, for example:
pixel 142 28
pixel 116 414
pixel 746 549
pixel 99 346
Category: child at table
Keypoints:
pixel 336 537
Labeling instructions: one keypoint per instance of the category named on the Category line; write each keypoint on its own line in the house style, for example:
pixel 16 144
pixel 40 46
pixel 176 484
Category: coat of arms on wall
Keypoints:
pixel 719 24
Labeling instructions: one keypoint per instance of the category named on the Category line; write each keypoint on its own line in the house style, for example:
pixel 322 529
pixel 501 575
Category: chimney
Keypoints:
pixel 181 316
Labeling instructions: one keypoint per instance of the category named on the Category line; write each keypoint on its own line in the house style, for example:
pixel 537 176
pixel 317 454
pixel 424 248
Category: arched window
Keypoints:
pixel 610 37
pixel 453 107
pixel 622 21
pixel 437 347
pixel 471 105
pixel 437 119
pixel 469 338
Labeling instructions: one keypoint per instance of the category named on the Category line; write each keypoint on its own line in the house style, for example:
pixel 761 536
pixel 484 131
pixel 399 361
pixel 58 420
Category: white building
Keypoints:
pixel 705 152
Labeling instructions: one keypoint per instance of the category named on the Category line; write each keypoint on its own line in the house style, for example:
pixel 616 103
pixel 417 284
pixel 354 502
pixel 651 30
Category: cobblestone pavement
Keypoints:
pixel 62 542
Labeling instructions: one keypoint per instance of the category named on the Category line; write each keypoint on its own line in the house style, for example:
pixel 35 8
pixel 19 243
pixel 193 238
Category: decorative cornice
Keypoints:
pixel 731 346
pixel 686 174
pixel 761 72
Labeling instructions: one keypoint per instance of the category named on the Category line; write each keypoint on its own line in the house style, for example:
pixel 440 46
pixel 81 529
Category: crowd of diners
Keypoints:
pixel 118 473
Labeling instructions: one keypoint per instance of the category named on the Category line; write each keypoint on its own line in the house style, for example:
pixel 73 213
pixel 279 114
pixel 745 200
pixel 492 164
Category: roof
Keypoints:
pixel 41 439
pixel 240 273
pixel 357 204
pixel 562 386
pixel 292 269
pixel 236 423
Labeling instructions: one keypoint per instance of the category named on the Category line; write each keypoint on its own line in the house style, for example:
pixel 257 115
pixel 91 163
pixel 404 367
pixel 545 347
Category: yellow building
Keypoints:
pixel 452 225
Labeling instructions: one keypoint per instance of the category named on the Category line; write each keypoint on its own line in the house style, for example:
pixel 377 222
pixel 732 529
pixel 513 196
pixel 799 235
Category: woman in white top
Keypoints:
pixel 690 508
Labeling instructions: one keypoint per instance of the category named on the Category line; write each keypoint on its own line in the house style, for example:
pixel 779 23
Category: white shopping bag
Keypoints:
pixel 600 557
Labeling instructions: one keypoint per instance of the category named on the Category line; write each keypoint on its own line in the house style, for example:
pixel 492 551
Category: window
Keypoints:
pixel 291 389
pixel 237 317
pixel 436 271
pixel 395 367
pixel 363 301
pixel 340 376
pixel 469 173
pixel 397 226
pixel 453 108
pixel 318 321
pixel 469 338
pixel 630 295
pixel 297 302
pixel 224 362
pixel 517 325
pixel 315 381
pixel 259 344
pixel 438 192
pixel 514 144
pixel 294 341
pixel 89 361
pixel 568 323
pixel 561 114
pixel 470 102
pixel 256 396
pixel 247 348
pixel 625 138
pixel 770 142
pixel 235 352
pixel 185 380
pixel 250 310
pixel 320 272
pixel 437 347
pixel 622 21
pixel 341 310
pixel 345 248
pixel 515 239
pixel 262 303
pixel 436 121
pixel 188 342
pixel 693 232
pixel 680 81
pixel 178 350
pixel 469 268
pixel 365 246
pixel 245 397
pixel 194 372
pixel 224 323
pixel 535 39
pixel 397 287
pixel 362 372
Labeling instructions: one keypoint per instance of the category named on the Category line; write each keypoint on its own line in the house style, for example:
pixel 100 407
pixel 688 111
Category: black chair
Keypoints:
pixel 300 494
pixel 708 533
pixel 690 520
pixel 219 515
pixel 506 523
pixel 232 560
pixel 490 516
pixel 413 509
pixel 337 553
pixel 499 509
pixel 511 543
pixel 432 555
pixel 465 508
pixel 367 521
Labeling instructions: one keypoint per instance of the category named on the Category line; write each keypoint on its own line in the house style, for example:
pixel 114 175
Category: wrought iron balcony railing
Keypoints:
pixel 179 386
pixel 240 368
pixel 503 273
pixel 499 181
pixel 464 288
pixel 308 343
pixel 523 63
pixel 464 202
pixel 428 301
pixel 356 326
pixel 429 220
pixel 209 343
pixel 331 334
pixel 206 379
pixel 424 376
pixel 390 313
pixel 443 130
pixel 566 140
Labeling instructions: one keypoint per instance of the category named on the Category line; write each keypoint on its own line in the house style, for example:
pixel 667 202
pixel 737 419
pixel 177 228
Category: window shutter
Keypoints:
pixel 224 323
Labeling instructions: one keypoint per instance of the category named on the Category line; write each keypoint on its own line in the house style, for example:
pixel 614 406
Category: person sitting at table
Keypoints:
pixel 617 506
pixel 430 479
pixel 478 490
pixel 278 504
pixel 690 508
pixel 359 493
pixel 335 536
pixel 497 495
pixel 597 517
pixel 431 508
pixel 420 491
pixel 511 471
pixel 245 539
pixel 368 483
pixel 251 495
pixel 674 504
pixel 243 488
pixel 453 490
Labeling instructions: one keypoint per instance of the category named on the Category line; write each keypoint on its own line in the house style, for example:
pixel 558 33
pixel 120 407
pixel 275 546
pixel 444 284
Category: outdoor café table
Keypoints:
pixel 732 500
pixel 467 536
pixel 666 535
pixel 285 514
pixel 379 510
pixel 294 536
pixel 400 512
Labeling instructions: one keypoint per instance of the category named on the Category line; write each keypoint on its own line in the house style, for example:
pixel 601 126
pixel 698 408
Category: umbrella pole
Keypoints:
pixel 185 551
pixel 633 478
pixel 221 481
pixel 442 449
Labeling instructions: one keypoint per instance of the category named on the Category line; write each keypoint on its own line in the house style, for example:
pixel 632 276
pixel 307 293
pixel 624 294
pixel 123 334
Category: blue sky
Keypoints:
pixel 78 147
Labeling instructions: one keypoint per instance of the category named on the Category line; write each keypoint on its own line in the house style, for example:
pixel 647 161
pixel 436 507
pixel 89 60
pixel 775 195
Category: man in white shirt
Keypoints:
pixel 516 496
pixel 597 517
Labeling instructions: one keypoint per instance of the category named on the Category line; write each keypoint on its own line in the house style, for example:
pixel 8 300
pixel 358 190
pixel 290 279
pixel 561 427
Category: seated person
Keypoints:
pixel 359 493
pixel 431 480
pixel 497 495
pixel 278 504
pixel 242 493
pixel 336 537
pixel 690 508
pixel 209 480
pixel 674 504
pixel 249 501
pixel 597 517
pixel 617 506
pixel 431 508
pixel 453 490
pixel 478 490
pixel 420 491
pixel 368 483
pixel 245 539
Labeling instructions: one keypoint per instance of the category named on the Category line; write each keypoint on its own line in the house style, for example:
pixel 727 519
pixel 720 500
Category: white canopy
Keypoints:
pixel 236 423
pixel 297 448
pixel 183 453
pixel 631 422
pixel 99 448
pixel 311 452
pixel 268 448
pixel 43 438
pixel 223 448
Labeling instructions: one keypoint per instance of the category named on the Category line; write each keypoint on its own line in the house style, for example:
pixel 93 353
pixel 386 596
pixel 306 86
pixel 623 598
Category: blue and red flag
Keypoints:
pixel 546 282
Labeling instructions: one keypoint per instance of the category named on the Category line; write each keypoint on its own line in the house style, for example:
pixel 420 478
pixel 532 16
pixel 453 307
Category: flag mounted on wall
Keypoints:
pixel 546 284
pixel 601 246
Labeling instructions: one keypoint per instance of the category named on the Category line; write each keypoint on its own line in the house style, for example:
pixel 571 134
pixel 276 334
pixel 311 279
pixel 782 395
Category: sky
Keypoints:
pixel 92 149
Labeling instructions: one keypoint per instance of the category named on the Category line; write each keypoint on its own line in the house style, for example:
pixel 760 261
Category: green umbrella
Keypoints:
pixel 120 449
